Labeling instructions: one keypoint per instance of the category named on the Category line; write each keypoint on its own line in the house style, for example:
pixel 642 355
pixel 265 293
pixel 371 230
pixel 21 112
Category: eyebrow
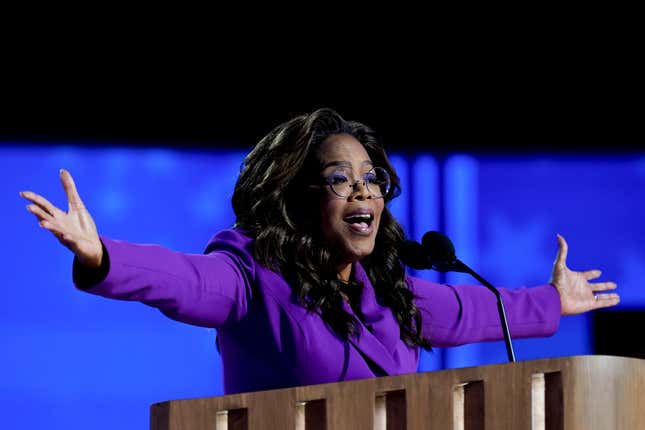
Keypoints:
pixel 345 164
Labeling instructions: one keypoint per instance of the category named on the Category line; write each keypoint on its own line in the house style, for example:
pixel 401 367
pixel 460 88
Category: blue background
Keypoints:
pixel 72 360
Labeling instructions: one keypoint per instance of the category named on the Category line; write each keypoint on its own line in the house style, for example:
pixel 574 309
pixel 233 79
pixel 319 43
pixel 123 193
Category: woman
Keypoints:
pixel 307 287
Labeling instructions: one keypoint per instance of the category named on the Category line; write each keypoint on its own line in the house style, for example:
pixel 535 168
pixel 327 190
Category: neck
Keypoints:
pixel 345 272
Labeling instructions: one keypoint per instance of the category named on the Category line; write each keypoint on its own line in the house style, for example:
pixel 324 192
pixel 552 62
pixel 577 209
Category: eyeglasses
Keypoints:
pixel 377 182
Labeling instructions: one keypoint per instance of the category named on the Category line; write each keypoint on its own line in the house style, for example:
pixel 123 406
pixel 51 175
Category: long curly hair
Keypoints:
pixel 273 205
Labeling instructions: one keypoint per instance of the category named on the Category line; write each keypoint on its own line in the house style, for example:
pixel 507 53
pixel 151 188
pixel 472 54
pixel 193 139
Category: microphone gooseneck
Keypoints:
pixel 437 252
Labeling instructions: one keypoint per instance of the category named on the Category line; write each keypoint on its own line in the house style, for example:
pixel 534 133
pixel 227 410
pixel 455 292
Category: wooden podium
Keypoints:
pixel 573 393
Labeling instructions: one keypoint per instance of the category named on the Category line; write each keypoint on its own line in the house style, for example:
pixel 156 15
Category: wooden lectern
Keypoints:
pixel 573 393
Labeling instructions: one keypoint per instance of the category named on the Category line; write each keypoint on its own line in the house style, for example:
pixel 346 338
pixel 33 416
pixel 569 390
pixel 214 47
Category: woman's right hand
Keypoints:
pixel 75 228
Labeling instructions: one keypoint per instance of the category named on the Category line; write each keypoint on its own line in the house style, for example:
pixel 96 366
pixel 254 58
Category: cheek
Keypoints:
pixel 330 216
pixel 379 210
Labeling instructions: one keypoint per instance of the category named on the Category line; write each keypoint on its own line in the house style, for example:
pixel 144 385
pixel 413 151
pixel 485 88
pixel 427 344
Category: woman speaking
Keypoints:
pixel 307 287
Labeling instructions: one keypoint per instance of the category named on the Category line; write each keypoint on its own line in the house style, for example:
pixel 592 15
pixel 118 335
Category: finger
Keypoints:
pixel 603 286
pixel 606 300
pixel 62 237
pixel 39 212
pixel 41 201
pixel 563 250
pixel 73 199
pixel 591 274
pixel 39 219
pixel 52 228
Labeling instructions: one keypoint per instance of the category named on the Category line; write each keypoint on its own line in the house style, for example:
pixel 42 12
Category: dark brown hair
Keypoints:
pixel 269 206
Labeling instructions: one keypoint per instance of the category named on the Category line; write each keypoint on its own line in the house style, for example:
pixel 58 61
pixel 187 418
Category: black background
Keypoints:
pixel 487 104
pixel 619 332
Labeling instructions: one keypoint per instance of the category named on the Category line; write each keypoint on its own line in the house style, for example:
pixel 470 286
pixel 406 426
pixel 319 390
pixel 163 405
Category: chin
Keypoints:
pixel 356 250
pixel 349 246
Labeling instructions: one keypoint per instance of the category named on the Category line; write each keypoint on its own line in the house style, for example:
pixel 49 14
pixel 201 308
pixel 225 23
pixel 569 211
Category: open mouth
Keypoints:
pixel 360 221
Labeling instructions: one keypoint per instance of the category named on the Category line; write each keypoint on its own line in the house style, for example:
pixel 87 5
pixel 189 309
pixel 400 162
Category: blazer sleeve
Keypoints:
pixel 209 290
pixel 460 314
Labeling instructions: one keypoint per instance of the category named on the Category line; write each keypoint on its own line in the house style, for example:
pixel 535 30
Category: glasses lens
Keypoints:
pixel 377 181
pixel 340 183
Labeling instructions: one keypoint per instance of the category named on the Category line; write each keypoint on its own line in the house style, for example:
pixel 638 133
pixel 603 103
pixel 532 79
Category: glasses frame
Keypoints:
pixel 363 182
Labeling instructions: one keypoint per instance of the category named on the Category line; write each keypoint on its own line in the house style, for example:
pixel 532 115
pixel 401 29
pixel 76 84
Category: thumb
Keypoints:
pixel 73 199
pixel 563 250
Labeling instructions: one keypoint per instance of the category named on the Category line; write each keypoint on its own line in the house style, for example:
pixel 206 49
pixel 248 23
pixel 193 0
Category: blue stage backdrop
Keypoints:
pixel 72 360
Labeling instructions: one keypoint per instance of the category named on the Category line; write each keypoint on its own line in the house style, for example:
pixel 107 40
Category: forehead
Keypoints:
pixel 342 147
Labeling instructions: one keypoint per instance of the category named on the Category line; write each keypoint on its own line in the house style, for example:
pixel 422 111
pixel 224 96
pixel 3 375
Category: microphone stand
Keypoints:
pixel 458 266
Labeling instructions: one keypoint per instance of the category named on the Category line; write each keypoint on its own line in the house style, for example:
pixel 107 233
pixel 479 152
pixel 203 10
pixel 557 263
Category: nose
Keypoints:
pixel 360 191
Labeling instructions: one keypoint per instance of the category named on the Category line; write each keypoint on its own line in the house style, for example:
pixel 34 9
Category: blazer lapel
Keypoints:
pixel 379 333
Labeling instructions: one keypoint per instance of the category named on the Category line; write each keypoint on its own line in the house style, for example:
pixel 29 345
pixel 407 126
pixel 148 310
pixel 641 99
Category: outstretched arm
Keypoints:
pixel 455 315
pixel 459 314
pixel 206 290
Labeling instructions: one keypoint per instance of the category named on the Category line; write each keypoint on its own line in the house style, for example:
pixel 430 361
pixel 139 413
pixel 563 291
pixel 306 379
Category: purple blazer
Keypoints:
pixel 267 340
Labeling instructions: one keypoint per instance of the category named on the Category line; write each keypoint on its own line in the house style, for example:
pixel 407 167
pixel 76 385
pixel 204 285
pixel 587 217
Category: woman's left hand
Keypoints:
pixel 577 294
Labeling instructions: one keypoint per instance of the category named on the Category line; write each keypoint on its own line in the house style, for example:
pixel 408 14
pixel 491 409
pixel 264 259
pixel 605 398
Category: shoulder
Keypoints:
pixel 270 285
pixel 230 239
pixel 237 246
pixel 419 285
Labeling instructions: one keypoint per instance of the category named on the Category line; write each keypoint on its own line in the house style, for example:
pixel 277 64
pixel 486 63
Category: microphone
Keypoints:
pixel 437 252
pixel 414 255
pixel 441 252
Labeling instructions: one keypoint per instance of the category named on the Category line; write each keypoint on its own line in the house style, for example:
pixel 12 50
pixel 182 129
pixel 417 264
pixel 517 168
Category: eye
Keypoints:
pixel 371 178
pixel 337 179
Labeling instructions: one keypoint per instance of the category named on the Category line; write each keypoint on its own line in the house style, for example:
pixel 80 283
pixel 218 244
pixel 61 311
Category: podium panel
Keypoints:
pixel 573 393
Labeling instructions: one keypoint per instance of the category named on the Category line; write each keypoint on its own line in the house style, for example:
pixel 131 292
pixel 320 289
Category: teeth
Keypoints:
pixel 361 220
